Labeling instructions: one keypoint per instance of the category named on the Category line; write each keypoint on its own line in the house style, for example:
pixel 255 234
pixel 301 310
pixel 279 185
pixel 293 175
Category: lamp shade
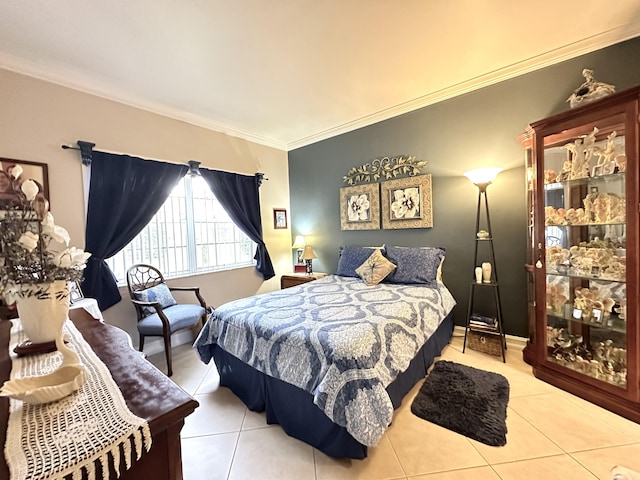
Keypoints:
pixel 308 253
pixel 483 176
pixel 298 242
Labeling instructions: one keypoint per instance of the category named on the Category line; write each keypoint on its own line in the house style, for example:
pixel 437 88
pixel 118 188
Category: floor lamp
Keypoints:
pixel 482 178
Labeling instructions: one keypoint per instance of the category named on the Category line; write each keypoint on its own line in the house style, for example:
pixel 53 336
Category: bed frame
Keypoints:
pixel 293 408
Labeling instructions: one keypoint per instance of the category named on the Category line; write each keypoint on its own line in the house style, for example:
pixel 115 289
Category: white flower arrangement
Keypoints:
pixel 34 251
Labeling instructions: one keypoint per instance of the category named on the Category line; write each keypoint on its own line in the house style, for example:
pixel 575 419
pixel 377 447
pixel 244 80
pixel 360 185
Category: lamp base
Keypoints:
pixel 309 270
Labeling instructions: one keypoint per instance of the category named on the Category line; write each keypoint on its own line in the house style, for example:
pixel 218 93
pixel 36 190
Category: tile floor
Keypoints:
pixel 551 435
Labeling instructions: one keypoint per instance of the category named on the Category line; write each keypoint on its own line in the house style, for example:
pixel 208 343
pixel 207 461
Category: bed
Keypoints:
pixel 331 359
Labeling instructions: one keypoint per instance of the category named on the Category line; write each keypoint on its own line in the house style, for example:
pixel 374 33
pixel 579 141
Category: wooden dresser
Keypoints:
pixel 148 392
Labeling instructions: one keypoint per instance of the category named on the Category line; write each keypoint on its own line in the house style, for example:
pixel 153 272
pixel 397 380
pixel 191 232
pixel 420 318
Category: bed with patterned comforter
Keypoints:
pixel 336 338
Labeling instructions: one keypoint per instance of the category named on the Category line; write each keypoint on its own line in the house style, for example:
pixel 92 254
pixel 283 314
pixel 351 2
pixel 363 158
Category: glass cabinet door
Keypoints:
pixel 584 272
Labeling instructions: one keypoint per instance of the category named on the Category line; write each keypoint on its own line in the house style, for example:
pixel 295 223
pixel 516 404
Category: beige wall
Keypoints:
pixel 37 117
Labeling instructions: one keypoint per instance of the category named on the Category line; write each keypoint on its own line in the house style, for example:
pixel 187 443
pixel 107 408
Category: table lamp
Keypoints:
pixel 308 255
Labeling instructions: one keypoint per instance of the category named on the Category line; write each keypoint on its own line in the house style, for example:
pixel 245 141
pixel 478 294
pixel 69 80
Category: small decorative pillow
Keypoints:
pixel 351 258
pixel 415 264
pixel 160 293
pixel 375 268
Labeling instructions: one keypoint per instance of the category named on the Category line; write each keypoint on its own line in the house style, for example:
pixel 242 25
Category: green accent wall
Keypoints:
pixel 473 130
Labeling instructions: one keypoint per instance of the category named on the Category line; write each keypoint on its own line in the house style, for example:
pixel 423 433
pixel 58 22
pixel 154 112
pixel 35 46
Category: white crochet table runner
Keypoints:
pixel 61 438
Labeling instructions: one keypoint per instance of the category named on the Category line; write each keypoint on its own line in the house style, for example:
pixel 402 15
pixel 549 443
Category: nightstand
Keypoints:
pixel 293 279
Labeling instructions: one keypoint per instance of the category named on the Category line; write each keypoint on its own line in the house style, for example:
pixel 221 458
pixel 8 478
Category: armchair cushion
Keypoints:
pixel 160 293
pixel 180 316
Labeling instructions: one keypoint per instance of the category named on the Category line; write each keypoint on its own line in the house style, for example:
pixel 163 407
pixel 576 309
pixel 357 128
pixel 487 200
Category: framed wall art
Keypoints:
pixel 406 203
pixel 10 186
pixel 360 207
pixel 280 218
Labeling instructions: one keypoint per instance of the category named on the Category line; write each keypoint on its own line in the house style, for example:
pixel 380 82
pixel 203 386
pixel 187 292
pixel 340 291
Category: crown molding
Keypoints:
pixel 83 83
pixel 537 62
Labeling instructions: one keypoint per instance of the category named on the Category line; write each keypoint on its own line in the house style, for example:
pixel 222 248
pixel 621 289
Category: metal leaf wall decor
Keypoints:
pixel 384 168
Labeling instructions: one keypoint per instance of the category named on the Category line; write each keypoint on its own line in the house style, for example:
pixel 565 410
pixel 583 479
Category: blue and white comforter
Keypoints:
pixel 337 338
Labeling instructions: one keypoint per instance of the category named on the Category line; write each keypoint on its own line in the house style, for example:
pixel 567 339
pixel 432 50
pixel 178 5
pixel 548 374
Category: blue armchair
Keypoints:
pixel 159 315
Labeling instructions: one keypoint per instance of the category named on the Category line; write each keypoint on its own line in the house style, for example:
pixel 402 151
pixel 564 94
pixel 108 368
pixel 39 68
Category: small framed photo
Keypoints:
pixel 595 271
pixel 596 316
pixel 596 171
pixel 608 168
pixel 577 314
pixel 593 189
pixel 75 294
pixel 280 218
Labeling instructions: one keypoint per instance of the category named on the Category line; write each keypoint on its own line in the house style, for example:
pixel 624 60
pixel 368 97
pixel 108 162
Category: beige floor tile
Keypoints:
pixel 380 464
pixel 208 457
pixel 423 447
pixel 478 473
pixel 566 424
pixel 268 453
pixel 256 420
pixel 188 370
pixel 560 467
pixel 211 381
pixel 624 426
pixel 523 442
pixel 601 461
pixel 219 412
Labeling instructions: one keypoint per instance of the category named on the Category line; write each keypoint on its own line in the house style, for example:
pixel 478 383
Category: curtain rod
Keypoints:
pixel 86 152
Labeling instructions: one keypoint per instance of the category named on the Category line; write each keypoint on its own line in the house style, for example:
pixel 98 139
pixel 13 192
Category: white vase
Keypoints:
pixel 478 273
pixel 486 272
pixel 43 309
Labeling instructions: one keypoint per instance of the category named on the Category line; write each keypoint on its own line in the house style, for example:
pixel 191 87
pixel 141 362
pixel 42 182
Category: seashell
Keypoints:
pixel 45 388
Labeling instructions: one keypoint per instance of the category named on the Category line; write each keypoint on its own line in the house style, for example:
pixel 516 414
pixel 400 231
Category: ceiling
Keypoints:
pixel 287 73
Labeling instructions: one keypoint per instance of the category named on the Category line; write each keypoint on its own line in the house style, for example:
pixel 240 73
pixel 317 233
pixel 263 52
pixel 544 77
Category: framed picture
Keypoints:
pixel 75 293
pixel 608 168
pixel 360 207
pixel 577 313
pixel 10 186
pixel 596 316
pixel 279 218
pixel 406 203
pixel 596 171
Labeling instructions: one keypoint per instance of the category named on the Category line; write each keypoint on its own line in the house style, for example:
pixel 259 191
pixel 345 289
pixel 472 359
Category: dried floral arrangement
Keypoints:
pixel 34 250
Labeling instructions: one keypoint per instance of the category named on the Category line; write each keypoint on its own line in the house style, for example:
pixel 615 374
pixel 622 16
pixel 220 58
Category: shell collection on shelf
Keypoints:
pixel 605 263
pixel 602 359
pixel 587 299
pixel 599 208
pixel 586 158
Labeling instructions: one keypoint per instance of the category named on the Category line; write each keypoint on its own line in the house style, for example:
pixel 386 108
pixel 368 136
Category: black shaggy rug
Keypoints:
pixel 467 400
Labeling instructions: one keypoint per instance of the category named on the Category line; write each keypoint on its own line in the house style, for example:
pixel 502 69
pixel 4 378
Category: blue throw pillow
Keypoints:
pixel 160 293
pixel 351 258
pixel 415 264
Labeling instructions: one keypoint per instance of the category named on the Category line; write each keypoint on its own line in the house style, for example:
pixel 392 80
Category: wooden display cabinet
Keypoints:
pixel 583 242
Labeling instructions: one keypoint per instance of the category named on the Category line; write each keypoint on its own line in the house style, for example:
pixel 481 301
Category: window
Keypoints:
pixel 190 234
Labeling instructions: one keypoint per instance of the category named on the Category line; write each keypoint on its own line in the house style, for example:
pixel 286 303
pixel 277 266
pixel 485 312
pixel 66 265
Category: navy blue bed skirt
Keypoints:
pixel 293 408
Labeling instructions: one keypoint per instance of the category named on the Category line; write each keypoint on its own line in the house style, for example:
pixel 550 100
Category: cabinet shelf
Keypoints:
pixel 584 246
pixel 612 322
pixel 585 181
pixel 570 274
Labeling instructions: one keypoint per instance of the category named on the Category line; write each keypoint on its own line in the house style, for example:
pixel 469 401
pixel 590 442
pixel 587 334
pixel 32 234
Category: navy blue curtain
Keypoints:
pixel 124 194
pixel 239 196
